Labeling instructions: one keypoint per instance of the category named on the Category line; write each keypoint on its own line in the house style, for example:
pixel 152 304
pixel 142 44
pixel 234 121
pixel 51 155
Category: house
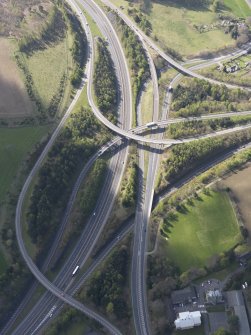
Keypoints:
pixel 214 297
pixel 185 296
pixel 188 320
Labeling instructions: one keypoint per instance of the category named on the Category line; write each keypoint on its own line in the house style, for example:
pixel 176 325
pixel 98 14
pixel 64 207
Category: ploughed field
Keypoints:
pixel 240 185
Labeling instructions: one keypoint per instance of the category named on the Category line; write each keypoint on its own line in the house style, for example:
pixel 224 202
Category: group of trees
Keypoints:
pixel 78 49
pixel 53 30
pixel 185 157
pixel 196 96
pixel 106 287
pixel 162 279
pixel 79 139
pixel 141 20
pixel 136 56
pixel 105 82
pixel 129 186
pixel 198 127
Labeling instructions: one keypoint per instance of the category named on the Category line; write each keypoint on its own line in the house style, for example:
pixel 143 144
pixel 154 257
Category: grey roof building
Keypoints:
pixel 184 296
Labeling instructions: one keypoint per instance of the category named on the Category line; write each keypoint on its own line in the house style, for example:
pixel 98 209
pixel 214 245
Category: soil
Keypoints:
pixel 240 185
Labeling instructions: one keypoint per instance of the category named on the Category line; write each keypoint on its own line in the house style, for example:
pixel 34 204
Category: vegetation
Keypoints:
pixel 193 128
pixel 16 144
pixel 135 55
pixel 162 279
pixel 180 24
pixel 196 97
pixel 200 230
pixel 106 287
pixel 81 136
pixel 185 157
pixel 240 76
pixel 105 83
pixel 53 29
pixel 129 184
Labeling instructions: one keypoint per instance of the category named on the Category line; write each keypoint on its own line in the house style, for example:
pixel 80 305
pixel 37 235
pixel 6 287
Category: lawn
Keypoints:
pixel 174 26
pixel 14 146
pixel 47 68
pixel 207 228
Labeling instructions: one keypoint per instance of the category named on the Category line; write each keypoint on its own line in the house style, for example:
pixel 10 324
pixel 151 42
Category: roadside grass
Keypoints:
pixel 147 103
pixel 174 27
pixel 92 24
pixel 238 7
pixel 206 228
pixel 15 144
pixel 47 68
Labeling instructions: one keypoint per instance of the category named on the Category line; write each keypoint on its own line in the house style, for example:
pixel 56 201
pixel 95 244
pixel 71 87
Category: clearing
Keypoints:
pixel 14 100
pixel 240 185
pixel 47 67
pixel 173 25
pixel 209 227
pixel 14 146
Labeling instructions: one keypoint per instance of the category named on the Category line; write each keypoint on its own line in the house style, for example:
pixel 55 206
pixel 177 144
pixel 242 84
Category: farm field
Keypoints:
pixel 208 227
pixel 14 100
pixel 174 25
pixel 47 67
pixel 14 147
pixel 240 185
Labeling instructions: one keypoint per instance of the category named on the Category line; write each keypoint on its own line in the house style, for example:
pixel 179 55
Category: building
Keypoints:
pixel 188 320
pixel 214 297
pixel 185 296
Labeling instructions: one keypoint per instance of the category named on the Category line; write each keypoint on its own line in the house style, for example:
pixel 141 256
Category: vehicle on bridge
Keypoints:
pixel 152 125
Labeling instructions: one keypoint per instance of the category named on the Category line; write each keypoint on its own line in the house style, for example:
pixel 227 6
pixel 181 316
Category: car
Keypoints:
pixel 94 213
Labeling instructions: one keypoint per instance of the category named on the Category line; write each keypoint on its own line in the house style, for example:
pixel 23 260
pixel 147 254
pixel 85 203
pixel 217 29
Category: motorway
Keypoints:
pixel 102 212
pixel 116 178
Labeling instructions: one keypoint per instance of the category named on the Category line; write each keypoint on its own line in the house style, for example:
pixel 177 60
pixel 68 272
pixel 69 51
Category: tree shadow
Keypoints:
pixel 197 6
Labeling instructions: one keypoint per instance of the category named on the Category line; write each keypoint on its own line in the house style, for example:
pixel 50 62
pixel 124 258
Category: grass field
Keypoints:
pixel 208 228
pixel 47 68
pixel 14 146
pixel 238 7
pixel 174 26
pixel 14 100
pixel 147 104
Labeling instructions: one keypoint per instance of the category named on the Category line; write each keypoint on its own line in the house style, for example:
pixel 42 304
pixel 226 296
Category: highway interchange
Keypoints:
pixel 63 287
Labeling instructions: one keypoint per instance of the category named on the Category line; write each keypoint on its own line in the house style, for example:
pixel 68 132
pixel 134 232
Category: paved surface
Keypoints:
pixel 217 320
pixel 235 299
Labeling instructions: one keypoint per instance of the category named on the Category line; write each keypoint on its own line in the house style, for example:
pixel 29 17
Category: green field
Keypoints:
pixel 174 26
pixel 147 104
pixel 208 228
pixel 47 68
pixel 14 146
pixel 238 7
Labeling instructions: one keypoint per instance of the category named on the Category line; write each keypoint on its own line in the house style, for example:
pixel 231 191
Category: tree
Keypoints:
pixel 221 331
pixel 233 322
